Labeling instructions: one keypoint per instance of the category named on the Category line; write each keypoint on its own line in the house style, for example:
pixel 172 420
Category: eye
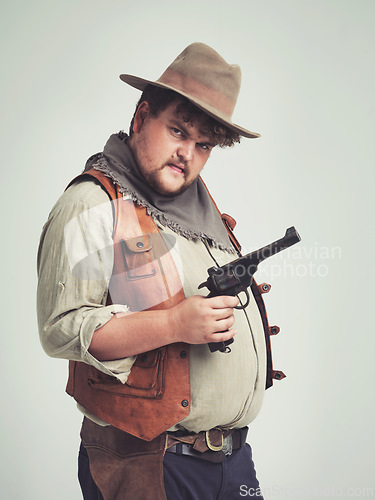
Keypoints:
pixel 176 131
pixel 205 147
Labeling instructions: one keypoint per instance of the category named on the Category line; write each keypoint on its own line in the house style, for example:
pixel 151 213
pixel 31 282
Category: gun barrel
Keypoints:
pixel 291 237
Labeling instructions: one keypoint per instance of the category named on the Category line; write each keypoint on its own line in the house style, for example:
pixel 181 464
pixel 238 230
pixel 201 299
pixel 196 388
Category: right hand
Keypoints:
pixel 201 320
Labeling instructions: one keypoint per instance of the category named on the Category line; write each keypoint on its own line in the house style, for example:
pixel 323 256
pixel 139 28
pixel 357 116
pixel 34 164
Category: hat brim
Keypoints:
pixel 141 84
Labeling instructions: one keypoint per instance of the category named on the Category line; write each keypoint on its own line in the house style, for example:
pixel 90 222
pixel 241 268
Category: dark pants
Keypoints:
pixel 189 478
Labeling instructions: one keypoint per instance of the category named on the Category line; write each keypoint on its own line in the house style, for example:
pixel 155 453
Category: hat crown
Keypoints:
pixel 203 64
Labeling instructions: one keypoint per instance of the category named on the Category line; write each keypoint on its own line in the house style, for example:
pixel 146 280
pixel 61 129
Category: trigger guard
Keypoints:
pixel 243 306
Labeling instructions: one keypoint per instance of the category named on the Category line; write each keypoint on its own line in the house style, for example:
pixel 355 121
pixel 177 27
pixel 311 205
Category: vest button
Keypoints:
pixel 140 244
pixel 184 403
pixel 183 354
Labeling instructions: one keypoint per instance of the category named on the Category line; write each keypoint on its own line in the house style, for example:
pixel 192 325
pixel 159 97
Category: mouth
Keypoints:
pixel 178 169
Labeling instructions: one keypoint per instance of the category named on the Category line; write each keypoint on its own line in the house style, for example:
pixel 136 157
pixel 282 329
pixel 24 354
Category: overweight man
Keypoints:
pixel 120 260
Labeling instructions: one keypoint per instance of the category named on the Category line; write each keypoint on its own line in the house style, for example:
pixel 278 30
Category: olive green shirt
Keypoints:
pixel 75 261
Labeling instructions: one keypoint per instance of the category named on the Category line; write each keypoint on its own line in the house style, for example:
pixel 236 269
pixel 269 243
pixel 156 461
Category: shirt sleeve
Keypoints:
pixel 75 261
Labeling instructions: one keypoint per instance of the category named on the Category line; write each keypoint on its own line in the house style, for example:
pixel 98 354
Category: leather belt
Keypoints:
pixel 213 445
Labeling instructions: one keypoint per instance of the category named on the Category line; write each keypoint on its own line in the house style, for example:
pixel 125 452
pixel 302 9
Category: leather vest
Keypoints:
pixel 144 277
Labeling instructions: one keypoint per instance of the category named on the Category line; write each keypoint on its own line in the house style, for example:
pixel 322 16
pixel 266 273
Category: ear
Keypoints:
pixel 140 116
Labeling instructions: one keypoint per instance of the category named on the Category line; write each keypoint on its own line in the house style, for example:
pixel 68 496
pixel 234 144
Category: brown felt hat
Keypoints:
pixel 201 75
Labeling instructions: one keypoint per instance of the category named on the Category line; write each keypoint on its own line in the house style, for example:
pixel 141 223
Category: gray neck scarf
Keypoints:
pixel 191 214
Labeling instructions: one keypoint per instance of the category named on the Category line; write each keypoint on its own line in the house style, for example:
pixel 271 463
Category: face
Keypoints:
pixel 170 152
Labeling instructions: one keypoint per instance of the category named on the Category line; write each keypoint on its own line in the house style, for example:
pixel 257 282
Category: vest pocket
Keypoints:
pixel 146 377
pixel 139 257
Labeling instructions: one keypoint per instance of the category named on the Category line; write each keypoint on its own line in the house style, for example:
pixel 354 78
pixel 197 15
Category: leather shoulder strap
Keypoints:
pixel 106 183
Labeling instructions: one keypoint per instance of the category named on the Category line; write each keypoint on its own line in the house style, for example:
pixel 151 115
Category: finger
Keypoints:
pixel 223 301
pixel 224 324
pixel 223 336
pixel 219 314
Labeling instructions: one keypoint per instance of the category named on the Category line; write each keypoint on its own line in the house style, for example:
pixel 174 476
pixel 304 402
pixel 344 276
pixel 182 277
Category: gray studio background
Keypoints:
pixel 308 88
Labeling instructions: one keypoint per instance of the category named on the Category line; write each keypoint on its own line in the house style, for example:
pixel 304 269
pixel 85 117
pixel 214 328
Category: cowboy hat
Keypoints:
pixel 201 75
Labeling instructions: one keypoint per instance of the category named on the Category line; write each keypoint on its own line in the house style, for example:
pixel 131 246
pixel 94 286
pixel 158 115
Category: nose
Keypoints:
pixel 185 150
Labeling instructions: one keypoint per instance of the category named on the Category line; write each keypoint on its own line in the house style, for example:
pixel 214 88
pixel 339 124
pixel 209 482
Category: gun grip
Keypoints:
pixel 220 346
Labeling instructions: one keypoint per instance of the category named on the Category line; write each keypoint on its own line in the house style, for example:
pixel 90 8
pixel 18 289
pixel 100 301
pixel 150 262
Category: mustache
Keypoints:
pixel 179 164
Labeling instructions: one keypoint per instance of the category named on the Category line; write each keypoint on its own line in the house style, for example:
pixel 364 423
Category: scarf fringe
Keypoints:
pixel 98 162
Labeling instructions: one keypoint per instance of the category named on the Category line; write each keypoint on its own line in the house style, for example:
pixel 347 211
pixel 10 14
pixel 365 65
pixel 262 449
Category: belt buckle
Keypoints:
pixel 212 446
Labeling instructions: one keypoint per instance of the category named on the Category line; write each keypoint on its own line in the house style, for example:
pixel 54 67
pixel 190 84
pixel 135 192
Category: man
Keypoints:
pixel 120 261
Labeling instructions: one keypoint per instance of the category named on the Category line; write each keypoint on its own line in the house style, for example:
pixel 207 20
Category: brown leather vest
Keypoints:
pixel 145 277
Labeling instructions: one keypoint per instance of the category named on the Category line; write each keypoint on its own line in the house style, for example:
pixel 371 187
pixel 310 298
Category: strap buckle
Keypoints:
pixel 212 446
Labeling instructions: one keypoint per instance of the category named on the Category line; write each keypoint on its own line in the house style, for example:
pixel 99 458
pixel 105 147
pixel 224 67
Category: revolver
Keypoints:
pixel 237 276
